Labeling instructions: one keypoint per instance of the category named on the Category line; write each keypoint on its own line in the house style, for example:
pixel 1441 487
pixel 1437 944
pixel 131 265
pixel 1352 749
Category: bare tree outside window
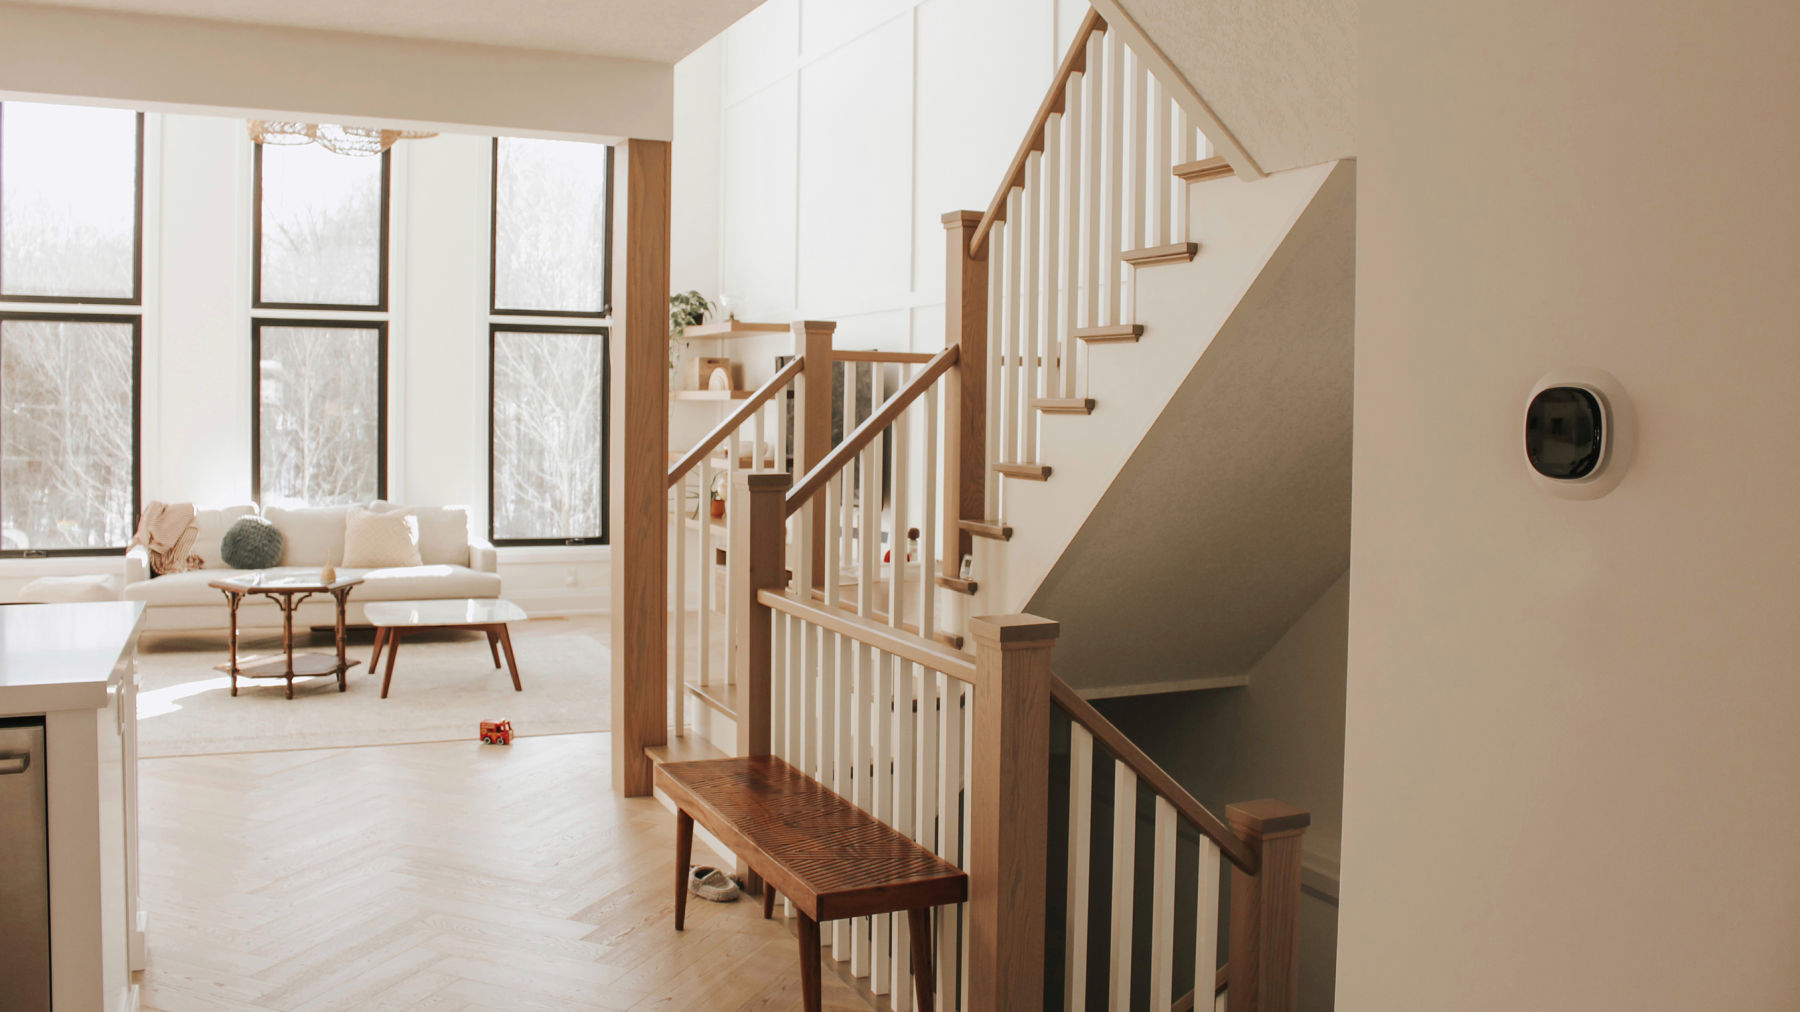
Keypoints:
pixel 321 220
pixel 550 226
pixel 320 415
pixel 549 434
pixel 68 202
pixel 68 434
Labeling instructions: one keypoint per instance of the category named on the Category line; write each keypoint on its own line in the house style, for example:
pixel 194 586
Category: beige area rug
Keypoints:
pixel 445 685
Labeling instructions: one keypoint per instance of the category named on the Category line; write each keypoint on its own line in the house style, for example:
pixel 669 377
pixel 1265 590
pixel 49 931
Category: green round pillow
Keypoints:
pixel 252 543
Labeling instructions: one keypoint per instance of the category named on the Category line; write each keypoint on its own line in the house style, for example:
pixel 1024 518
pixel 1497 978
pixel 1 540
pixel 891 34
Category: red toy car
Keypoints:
pixel 496 732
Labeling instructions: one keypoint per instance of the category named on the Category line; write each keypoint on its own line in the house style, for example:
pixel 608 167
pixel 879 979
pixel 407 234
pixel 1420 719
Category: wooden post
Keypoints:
pixel 812 418
pixel 1010 792
pixel 756 562
pixel 965 388
pixel 1265 908
pixel 638 454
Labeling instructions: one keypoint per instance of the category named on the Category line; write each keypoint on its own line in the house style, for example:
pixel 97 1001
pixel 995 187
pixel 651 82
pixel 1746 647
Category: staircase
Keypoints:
pixel 828 618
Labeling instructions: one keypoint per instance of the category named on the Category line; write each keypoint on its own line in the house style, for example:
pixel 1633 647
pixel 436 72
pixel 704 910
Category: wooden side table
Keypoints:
pixel 288 591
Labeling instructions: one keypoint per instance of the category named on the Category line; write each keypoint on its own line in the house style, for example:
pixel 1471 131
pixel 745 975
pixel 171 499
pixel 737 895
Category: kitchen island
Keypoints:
pixel 71 669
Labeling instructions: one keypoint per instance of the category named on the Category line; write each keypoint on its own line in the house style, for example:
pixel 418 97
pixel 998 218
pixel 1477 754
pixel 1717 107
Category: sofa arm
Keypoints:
pixel 137 565
pixel 483 556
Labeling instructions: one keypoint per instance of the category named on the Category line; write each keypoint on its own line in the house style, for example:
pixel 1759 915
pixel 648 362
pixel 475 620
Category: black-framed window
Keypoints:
pixel 551 251
pixel 320 229
pixel 547 412
pixel 69 433
pixel 71 204
pixel 318 419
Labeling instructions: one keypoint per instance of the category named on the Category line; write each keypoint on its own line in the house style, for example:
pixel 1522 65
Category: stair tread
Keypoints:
pixel 1029 472
pixel 720 696
pixel 959 585
pixel 1205 168
pixel 681 750
pixel 993 529
pixel 1118 332
pixel 1151 256
pixel 1064 405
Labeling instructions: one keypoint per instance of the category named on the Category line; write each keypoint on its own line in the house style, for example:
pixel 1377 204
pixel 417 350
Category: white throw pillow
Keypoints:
pixel 379 540
pixel 443 531
pixel 315 535
pixel 213 525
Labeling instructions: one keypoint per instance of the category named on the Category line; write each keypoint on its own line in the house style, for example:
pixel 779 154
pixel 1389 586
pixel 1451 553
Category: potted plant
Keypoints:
pixel 686 309
pixel 718 496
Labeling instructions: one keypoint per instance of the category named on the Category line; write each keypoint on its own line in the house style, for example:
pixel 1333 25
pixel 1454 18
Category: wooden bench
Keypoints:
pixel 828 857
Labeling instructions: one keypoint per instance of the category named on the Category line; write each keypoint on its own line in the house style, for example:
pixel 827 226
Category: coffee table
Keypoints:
pixel 287 590
pixel 394 619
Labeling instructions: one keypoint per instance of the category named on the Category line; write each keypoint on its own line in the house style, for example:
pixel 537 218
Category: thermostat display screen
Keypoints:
pixel 1564 435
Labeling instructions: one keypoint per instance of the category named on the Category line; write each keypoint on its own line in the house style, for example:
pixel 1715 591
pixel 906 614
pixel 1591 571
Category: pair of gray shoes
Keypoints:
pixel 711 884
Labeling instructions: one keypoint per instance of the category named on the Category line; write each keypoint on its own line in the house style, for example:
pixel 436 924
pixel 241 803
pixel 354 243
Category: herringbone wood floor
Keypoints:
pixel 440 876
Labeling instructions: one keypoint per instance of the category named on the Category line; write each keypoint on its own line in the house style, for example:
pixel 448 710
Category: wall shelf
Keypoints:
pixel 709 395
pixel 732 329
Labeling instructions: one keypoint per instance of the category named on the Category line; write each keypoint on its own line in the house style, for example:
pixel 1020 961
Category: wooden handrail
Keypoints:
pixel 871 427
pixel 888 357
pixel 1103 730
pixel 902 644
pixel 1073 62
pixel 725 428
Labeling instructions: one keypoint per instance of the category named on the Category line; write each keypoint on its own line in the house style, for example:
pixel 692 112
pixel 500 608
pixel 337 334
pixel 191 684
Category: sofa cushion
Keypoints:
pixel 184 588
pixel 443 531
pixel 407 583
pixel 213 525
pixel 315 535
pixel 377 540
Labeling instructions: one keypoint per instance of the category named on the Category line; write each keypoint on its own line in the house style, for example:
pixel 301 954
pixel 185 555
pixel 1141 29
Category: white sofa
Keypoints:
pixel 456 564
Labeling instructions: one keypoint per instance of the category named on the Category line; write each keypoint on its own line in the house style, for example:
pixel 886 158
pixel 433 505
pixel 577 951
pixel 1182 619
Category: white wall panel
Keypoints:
pixel 828 24
pixel 758 219
pixel 694 210
pixel 855 171
pixel 760 48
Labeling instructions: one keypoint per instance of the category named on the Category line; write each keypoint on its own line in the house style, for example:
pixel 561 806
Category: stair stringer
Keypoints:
pixel 1240 226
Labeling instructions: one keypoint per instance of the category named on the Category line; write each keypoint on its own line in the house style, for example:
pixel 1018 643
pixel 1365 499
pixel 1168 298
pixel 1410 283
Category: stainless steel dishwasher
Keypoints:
pixel 24 869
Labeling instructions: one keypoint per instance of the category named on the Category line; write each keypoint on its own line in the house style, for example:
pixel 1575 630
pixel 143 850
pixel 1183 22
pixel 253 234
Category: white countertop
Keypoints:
pixel 62 656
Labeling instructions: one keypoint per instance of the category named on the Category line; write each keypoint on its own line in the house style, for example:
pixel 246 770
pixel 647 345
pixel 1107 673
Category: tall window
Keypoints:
pixel 547 378
pixel 71 247
pixel 319 387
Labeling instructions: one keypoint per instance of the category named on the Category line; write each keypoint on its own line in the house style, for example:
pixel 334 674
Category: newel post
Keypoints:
pixel 1008 811
pixel 812 418
pixel 965 387
pixel 638 455
pixel 1265 908
pixel 756 562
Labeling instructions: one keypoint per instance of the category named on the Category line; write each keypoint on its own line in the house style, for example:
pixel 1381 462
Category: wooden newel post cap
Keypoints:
pixel 814 326
pixel 952 219
pixel 763 481
pixel 1014 630
pixel 1263 819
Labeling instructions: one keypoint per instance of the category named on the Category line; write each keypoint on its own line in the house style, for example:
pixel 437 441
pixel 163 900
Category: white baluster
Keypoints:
pixel 731 470
pixel 1093 132
pixel 1137 147
pixel 704 569
pixel 1124 862
pixel 928 523
pixel 847 550
pixel 1114 214
pixel 802 700
pixel 1015 309
pixel 1069 276
pixel 1030 325
pixel 871 508
pixel 1206 934
pixel 1162 909
pixel 863 764
pixel 1189 139
pixel 996 345
pixel 1052 247
pixel 844 777
pixel 970 701
pixel 906 743
pixel 778 686
pixel 882 976
pixel 1081 821
pixel 1161 170
pixel 949 835
pixel 926 791
pixel 678 539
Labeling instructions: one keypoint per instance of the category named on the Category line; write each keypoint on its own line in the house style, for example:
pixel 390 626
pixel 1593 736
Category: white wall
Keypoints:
pixel 1573 777
pixel 843 133
pixel 196 362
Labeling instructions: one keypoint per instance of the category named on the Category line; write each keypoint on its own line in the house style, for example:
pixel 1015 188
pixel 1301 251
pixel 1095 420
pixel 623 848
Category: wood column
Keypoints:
pixel 638 454
pixel 756 562
pixel 1010 792
pixel 965 387
pixel 812 418
pixel 1265 908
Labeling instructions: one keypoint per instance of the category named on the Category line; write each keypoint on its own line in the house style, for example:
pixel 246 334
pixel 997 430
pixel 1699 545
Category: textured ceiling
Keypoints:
pixel 661 31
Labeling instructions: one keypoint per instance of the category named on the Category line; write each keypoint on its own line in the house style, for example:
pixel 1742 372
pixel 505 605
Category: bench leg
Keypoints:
pixel 684 853
pixel 768 901
pixel 809 963
pixel 494 645
pixel 924 981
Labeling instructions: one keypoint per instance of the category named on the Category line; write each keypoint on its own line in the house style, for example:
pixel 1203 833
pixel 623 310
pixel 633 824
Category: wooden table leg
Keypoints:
pixel 684 855
pixel 493 636
pixel 393 649
pixel 809 964
pixel 287 638
pixel 231 601
pixel 380 639
pixel 343 657
pixel 924 982
pixel 513 665
pixel 768 901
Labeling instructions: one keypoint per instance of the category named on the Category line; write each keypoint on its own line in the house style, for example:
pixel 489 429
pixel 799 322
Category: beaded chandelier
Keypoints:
pixel 337 138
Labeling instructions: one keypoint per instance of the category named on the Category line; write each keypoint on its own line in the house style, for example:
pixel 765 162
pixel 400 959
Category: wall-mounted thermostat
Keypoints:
pixel 1578 433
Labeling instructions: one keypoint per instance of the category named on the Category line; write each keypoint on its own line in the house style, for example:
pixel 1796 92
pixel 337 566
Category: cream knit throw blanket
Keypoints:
pixel 169 530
